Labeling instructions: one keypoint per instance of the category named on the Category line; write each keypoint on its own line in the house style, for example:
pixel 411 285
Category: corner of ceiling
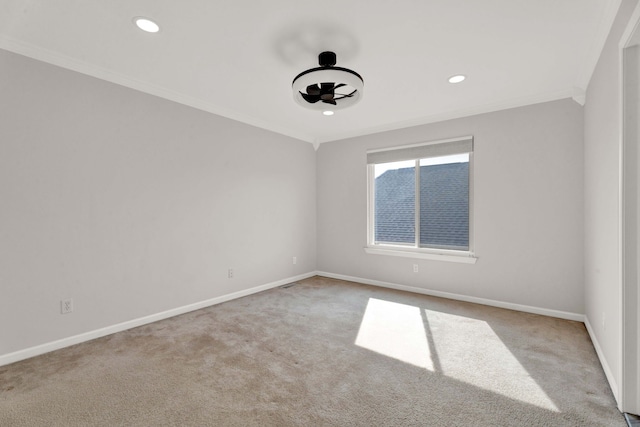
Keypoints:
pixel 579 95
pixel 602 33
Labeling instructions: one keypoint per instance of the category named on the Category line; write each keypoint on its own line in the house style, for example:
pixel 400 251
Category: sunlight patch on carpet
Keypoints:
pixel 395 330
pixel 436 341
pixel 490 366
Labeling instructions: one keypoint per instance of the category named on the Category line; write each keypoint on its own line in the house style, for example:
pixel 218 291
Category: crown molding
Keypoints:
pixel 73 64
pixel 579 95
pixel 602 33
pixel 456 114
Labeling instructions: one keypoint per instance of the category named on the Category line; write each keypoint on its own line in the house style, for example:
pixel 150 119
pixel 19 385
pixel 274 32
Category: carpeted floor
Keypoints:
pixel 321 353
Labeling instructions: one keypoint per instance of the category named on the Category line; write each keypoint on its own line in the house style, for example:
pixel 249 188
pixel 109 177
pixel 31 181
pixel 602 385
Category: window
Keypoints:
pixel 420 200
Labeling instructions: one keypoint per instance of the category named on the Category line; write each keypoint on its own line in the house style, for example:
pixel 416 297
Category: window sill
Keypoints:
pixel 464 257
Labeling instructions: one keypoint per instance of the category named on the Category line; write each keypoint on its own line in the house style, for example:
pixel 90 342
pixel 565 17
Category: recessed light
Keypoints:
pixel 328 113
pixel 457 78
pixel 145 24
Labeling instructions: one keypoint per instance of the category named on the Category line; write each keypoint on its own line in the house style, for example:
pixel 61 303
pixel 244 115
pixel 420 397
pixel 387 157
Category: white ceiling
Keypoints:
pixel 238 58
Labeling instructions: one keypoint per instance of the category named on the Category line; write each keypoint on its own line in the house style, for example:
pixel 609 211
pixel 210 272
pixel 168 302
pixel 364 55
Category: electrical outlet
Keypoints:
pixel 66 306
pixel 295 260
pixel 415 268
pixel 230 273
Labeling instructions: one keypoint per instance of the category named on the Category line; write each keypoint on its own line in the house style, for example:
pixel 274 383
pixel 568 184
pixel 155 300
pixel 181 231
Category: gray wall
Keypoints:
pixel 528 211
pixel 602 210
pixel 133 205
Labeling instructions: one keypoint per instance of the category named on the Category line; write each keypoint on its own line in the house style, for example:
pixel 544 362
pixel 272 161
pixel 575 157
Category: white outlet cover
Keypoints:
pixel 66 306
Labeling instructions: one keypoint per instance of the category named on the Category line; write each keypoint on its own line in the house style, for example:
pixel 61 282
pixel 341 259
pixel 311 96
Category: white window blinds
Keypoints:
pixel 420 151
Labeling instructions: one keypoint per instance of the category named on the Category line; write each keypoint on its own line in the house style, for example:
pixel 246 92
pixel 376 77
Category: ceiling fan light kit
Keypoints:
pixel 327 87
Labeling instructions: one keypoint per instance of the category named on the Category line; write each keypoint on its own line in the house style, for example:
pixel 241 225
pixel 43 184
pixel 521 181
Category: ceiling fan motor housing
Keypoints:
pixel 327 59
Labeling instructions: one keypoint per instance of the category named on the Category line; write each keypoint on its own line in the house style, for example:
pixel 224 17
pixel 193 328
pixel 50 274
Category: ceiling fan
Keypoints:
pixel 327 84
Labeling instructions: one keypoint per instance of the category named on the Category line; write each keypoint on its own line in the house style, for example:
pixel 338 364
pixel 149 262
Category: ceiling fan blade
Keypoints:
pixel 327 96
pixel 312 99
pixel 329 101
pixel 340 85
pixel 313 90
pixel 345 95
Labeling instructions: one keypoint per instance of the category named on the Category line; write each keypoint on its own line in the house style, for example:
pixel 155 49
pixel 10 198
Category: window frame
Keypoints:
pixel 415 251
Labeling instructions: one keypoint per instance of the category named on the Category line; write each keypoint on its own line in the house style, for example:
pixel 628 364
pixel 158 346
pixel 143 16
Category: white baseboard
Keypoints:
pixel 87 336
pixel 511 306
pixel 603 361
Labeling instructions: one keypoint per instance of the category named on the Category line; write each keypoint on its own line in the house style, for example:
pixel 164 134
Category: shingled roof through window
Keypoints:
pixel 444 206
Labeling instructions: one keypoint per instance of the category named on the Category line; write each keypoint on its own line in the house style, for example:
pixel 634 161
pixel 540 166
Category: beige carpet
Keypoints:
pixel 321 353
